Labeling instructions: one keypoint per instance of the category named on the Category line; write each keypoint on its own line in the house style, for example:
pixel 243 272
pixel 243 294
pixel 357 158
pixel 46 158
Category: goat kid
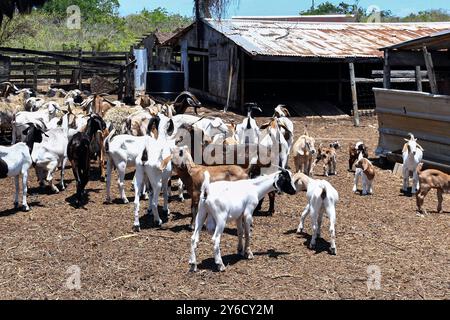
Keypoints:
pixel 225 201
pixel 354 150
pixel 431 179
pixel 322 197
pixel 304 151
pixel 329 158
pixel 366 171
pixel 412 155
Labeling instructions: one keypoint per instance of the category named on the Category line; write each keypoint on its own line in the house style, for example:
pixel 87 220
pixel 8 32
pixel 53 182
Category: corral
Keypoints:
pixel 38 249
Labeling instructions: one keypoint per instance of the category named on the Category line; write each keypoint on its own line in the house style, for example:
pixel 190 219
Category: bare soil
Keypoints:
pixel 383 230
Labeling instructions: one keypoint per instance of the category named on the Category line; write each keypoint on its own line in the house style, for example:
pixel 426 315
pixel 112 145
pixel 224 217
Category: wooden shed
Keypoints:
pixel 323 67
pixel 425 114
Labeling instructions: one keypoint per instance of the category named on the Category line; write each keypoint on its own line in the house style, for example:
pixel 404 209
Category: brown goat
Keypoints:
pixel 192 175
pixel 431 179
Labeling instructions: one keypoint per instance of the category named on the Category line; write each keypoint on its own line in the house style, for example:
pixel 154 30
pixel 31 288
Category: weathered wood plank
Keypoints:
pixel 354 94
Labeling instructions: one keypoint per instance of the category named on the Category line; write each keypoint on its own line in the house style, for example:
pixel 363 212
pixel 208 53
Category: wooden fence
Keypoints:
pixel 70 69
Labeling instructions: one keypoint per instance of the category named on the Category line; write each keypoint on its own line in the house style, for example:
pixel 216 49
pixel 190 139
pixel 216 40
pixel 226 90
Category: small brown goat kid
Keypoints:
pixel 431 179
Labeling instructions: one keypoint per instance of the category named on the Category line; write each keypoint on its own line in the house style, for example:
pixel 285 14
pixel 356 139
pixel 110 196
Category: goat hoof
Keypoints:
pixel 193 268
pixel 221 267
pixel 102 179
pixel 158 223
pixel 241 252
pixel 108 201
pixel 16 205
pixel 125 201
pixel 312 246
pixel 333 251
pixel 146 196
pixel 26 208
pixel 136 229
pixel 249 255
pixel 299 230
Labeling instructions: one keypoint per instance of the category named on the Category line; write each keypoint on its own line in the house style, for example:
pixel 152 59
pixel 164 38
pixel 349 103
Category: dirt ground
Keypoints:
pixel 38 249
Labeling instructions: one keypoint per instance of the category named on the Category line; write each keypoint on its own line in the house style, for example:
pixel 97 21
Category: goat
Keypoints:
pixel 273 140
pixel 248 131
pixel 40 118
pixel 192 176
pixel 122 152
pixel 16 161
pixel 328 156
pixel 321 197
pixel 304 151
pixel 287 126
pixel 226 201
pixel 34 104
pixel 78 155
pixel 366 170
pixel 97 131
pixel 49 154
pixel 412 155
pixel 431 179
pixel 154 163
pixel 354 150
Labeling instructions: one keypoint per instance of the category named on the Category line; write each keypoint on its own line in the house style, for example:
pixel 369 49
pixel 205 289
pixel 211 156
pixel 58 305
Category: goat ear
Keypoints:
pixel 420 147
pixel 365 165
pixel 165 162
pixel 405 148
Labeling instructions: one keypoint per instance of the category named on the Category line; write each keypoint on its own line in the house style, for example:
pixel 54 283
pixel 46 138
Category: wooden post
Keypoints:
pixel 387 71
pixel 185 63
pixel 354 94
pixel 80 70
pixel 58 73
pixel 24 70
pixel 418 79
pixel 430 70
pixel 35 74
pixel 242 67
pixel 120 93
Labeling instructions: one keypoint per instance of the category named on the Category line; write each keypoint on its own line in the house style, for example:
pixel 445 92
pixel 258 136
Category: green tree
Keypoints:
pixel 99 11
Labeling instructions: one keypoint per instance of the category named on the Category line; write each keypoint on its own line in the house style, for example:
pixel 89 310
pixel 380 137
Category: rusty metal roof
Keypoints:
pixel 325 40
pixel 436 41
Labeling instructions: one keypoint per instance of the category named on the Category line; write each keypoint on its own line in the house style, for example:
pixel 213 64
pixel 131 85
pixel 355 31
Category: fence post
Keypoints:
pixel 24 70
pixel 120 93
pixel 35 74
pixel 58 73
pixel 80 70
pixel 354 94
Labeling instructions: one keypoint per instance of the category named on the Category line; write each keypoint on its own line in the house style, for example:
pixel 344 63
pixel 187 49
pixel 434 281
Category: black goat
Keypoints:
pixel 78 154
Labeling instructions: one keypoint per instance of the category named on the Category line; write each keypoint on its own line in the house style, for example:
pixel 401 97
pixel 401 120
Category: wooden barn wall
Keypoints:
pixel 221 53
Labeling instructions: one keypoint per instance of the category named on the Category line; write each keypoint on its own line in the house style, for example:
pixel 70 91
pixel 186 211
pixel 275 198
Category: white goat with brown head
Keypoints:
pixel 412 155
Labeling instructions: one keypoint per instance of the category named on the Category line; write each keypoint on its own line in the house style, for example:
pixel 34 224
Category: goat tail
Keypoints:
pixel 108 140
pixel 205 186
pixel 323 186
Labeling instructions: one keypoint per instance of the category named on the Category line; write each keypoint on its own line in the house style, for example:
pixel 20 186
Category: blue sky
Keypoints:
pixel 281 7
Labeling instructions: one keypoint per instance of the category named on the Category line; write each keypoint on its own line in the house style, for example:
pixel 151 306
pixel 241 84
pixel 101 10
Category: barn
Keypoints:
pixel 314 67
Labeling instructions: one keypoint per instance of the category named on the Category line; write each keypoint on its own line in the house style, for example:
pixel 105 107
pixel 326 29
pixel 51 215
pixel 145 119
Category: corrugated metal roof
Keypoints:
pixel 436 41
pixel 326 40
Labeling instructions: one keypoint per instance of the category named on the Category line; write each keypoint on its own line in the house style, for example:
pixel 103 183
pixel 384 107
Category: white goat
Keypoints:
pixel 286 125
pixel 248 131
pixel 50 154
pixel 121 152
pixel 41 118
pixel 412 156
pixel 226 201
pixel 15 161
pixel 154 163
pixel 321 197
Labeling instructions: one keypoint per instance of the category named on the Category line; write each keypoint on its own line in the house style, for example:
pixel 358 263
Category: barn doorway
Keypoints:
pixel 198 71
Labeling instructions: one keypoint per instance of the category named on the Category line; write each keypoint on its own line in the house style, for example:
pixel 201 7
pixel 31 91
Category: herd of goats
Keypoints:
pixel 226 168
